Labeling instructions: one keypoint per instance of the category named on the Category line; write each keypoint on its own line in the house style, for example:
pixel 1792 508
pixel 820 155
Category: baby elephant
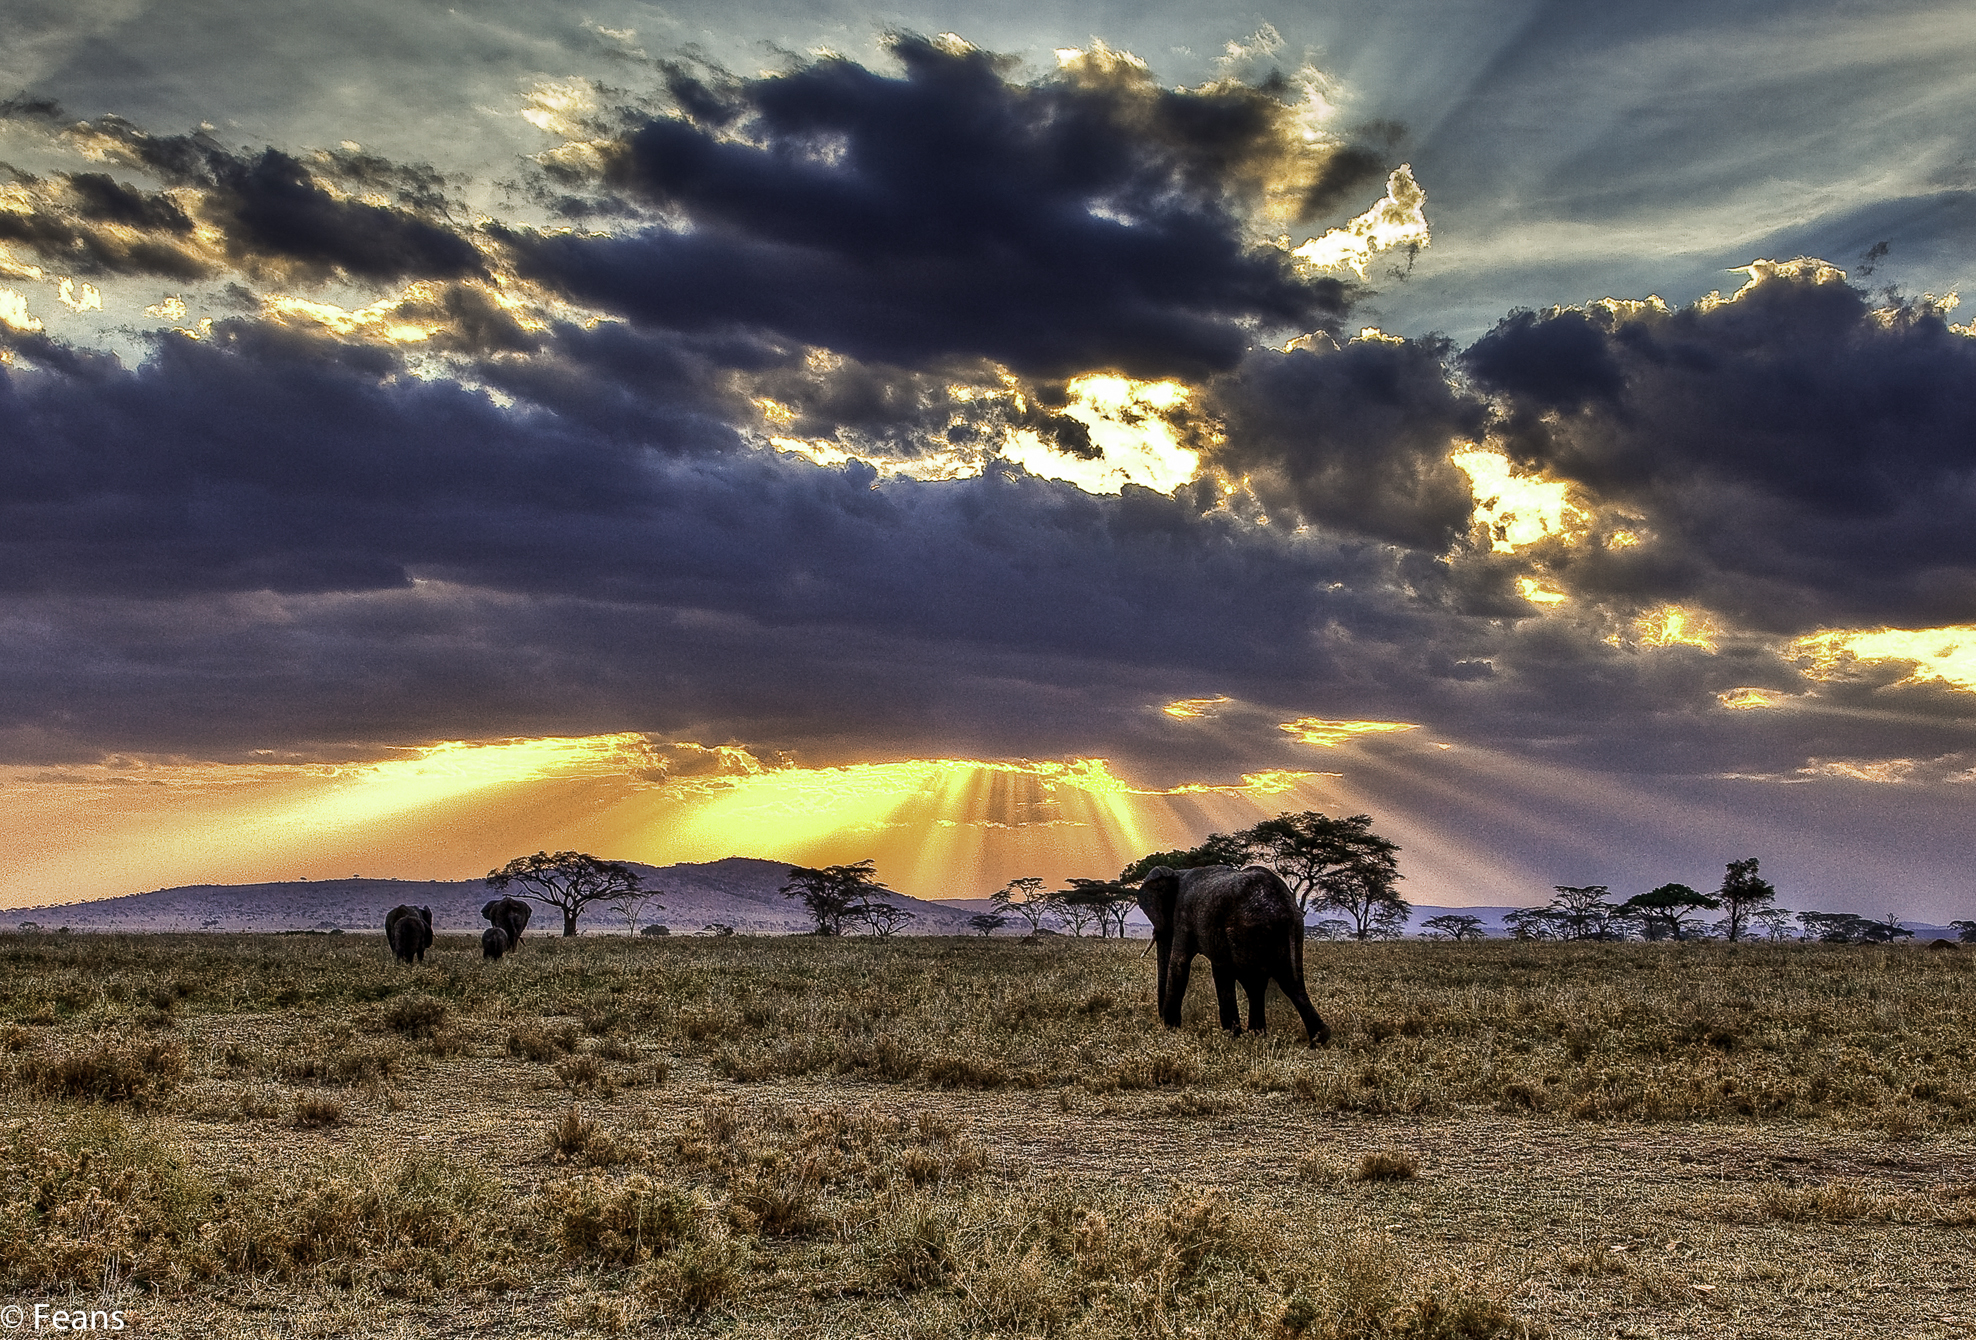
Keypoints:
pixel 1246 922
pixel 493 942
pixel 409 931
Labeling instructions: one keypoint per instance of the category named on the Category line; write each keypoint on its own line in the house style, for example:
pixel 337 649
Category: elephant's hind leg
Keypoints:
pixel 1315 1028
pixel 1258 991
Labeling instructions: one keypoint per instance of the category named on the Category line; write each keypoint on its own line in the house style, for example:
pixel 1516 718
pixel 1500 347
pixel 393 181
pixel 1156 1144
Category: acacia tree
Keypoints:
pixel 1669 909
pixel 1965 931
pixel 883 918
pixel 1076 913
pixel 1109 899
pixel 1743 895
pixel 1219 849
pixel 1333 862
pixel 1025 898
pixel 833 891
pixel 567 880
pixel 987 923
pixel 631 906
pixel 1454 926
pixel 1584 913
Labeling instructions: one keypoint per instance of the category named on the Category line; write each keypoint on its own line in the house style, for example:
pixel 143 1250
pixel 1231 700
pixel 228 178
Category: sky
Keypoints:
pixel 993 440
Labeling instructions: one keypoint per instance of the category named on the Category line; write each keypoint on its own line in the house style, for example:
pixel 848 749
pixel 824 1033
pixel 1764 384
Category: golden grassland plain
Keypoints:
pixel 294 1136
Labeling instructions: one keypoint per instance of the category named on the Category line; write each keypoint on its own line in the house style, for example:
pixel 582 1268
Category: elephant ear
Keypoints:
pixel 521 912
pixel 1158 892
pixel 492 908
pixel 426 914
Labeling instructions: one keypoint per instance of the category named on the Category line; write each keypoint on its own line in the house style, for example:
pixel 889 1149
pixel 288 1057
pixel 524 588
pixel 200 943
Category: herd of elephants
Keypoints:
pixel 1246 921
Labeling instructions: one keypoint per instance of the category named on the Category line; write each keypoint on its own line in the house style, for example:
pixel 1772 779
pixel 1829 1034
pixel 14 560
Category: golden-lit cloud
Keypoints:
pixel 14 312
pixel 1533 590
pixel 1674 626
pixel 1132 424
pixel 1749 699
pixel 1397 220
pixel 1947 655
pixel 1188 709
pixel 1330 734
pixel 1516 510
pixel 79 298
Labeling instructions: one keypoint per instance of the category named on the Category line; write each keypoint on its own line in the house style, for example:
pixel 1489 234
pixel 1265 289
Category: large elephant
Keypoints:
pixel 1246 922
pixel 509 915
pixel 409 931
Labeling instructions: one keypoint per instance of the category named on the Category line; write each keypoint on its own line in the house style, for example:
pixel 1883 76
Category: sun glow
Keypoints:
pixel 453 810
pixel 1516 510
pixel 1134 425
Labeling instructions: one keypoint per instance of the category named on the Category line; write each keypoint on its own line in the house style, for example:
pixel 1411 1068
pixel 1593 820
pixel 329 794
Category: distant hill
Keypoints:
pixel 737 892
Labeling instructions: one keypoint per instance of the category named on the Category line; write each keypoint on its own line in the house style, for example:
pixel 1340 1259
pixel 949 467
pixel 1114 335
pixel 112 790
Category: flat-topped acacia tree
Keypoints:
pixel 567 880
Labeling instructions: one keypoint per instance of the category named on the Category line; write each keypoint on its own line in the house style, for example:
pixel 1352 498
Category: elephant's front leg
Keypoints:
pixel 1224 992
pixel 1179 967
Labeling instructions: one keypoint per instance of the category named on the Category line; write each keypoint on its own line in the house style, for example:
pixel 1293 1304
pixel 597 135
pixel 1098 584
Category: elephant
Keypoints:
pixel 409 931
pixel 493 942
pixel 510 915
pixel 1246 922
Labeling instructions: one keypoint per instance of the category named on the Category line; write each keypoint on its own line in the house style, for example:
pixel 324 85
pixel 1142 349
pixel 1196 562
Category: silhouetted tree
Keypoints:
pixel 1743 895
pixel 832 891
pixel 1672 909
pixel 1109 899
pixel 883 918
pixel 1025 898
pixel 1075 914
pixel 1328 861
pixel 1453 926
pixel 1585 913
pixel 1536 923
pixel 987 923
pixel 568 880
pixel 1965 930
pixel 631 906
pixel 1849 928
pixel 1219 849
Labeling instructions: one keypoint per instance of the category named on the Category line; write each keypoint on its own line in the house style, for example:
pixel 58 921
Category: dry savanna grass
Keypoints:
pixel 292 1135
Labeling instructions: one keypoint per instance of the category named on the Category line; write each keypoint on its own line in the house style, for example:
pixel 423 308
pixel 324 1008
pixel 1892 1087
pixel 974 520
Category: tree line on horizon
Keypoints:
pixel 1331 865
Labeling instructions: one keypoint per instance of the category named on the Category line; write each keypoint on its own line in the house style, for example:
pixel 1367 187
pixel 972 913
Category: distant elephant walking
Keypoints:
pixel 509 915
pixel 1246 922
pixel 493 942
pixel 409 932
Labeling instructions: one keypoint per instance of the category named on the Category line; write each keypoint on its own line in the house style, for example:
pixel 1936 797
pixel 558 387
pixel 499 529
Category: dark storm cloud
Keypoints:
pixel 270 539
pixel 1354 438
pixel 273 213
pixel 1086 221
pixel 1795 458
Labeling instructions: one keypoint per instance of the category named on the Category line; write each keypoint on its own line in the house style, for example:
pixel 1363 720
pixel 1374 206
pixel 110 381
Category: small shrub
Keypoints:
pixel 138 1073
pixel 541 1045
pixel 1387 1165
pixel 696 1276
pixel 317 1109
pixel 415 1015
pixel 575 1139
pixel 620 1224
pixel 582 1071
pixel 909 1246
